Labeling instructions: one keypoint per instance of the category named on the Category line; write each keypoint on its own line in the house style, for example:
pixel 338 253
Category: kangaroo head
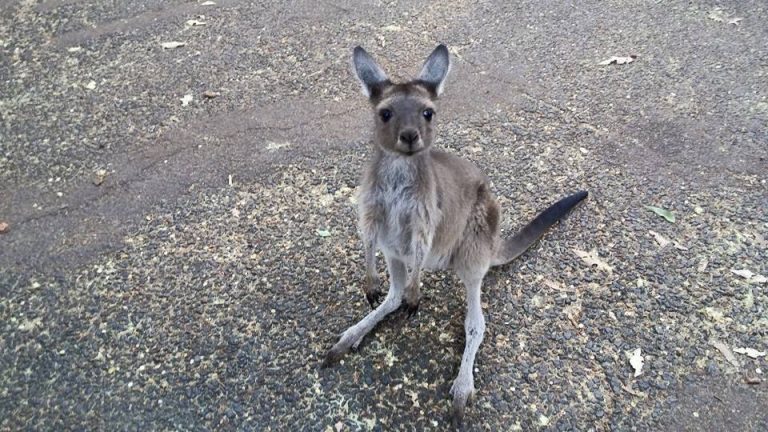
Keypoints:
pixel 404 113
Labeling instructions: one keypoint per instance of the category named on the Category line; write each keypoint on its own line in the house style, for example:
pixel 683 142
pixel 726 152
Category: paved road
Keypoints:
pixel 162 267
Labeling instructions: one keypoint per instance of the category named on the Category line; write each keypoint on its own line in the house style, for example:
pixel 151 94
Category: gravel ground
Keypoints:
pixel 186 285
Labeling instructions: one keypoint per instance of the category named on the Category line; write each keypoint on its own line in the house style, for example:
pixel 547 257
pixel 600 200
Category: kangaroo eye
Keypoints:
pixel 428 113
pixel 385 115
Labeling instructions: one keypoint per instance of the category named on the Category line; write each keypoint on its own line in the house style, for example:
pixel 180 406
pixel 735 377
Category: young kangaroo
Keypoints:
pixel 427 209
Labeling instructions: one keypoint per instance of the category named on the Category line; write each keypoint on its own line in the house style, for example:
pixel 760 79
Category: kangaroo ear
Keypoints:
pixel 372 78
pixel 435 69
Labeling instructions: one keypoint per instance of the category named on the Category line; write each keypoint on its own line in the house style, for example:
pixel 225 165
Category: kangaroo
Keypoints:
pixel 427 209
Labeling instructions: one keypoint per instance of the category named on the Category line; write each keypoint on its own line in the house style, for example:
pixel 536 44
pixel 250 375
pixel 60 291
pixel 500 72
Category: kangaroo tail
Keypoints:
pixel 513 247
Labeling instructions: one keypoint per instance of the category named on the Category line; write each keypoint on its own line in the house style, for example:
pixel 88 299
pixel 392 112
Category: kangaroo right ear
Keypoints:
pixel 372 78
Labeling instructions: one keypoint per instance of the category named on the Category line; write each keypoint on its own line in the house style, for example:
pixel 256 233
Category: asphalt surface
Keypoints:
pixel 165 264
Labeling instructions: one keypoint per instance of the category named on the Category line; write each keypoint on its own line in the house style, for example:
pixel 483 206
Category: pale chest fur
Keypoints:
pixel 402 209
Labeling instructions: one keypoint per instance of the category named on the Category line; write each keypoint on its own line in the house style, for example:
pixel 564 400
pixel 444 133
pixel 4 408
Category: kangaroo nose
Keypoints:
pixel 409 136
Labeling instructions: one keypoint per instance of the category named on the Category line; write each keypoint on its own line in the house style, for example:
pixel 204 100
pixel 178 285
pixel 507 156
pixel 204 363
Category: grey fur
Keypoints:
pixel 427 209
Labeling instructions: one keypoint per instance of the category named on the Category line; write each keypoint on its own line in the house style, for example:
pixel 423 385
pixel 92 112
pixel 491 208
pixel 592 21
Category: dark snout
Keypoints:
pixel 410 141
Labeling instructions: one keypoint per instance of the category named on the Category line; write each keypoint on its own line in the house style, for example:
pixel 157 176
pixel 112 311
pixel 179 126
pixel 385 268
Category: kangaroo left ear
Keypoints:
pixel 436 69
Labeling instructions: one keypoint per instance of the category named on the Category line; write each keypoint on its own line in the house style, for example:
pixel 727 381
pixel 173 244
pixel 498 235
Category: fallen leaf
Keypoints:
pixel 323 233
pixel 713 313
pixel 573 313
pixel 210 94
pixel 591 258
pixel 392 28
pixel 172 45
pixel 91 85
pixel 716 14
pixel 583 150
pixel 702 265
pixel 194 23
pixel 74 49
pixel 186 99
pixel 632 391
pixel 678 246
pixel 666 214
pixel 749 299
pixel 750 352
pixel 746 274
pixel 752 379
pixel 618 60
pixel 727 353
pixel 207 3
pixel 98 179
pixel 4 227
pixel 637 361
pixel 659 238
pixel 735 21
pixel 749 276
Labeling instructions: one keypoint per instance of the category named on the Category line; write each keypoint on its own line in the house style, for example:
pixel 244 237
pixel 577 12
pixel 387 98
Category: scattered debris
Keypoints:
pixel 186 99
pixel 637 361
pixel 4 227
pixel 666 214
pixel 750 352
pixel 208 3
pixel 74 49
pixel 323 233
pixel 172 45
pixel 727 353
pixel 392 28
pixel 583 150
pixel 618 60
pixel 591 258
pixel 751 379
pixel 98 179
pixel 195 23
pixel 678 246
pixel 209 94
pixel 659 239
pixel 91 85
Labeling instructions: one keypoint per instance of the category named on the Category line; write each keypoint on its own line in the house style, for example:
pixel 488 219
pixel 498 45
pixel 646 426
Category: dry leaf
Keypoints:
pixel 591 258
pixel 749 276
pixel 750 352
pixel 186 100
pixel 637 361
pixel 101 174
pixel 573 313
pixel 735 21
pixel 91 85
pixel 211 94
pixel 659 238
pixel 207 3
pixel 716 14
pixel 172 45
pixel 678 246
pixel 702 265
pixel 194 23
pixel 392 28
pixel 633 392
pixel 746 274
pixel 4 227
pixel 727 353
pixel 618 60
